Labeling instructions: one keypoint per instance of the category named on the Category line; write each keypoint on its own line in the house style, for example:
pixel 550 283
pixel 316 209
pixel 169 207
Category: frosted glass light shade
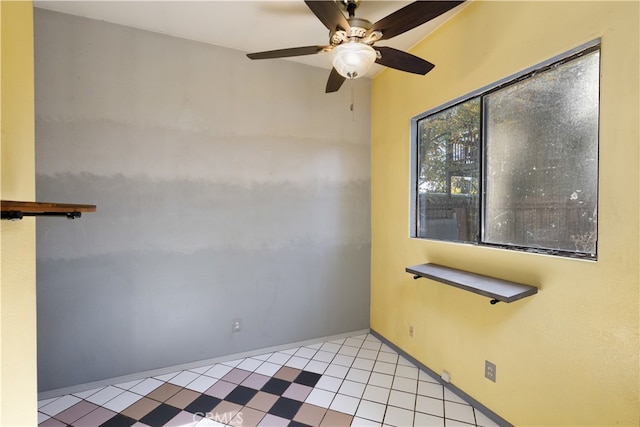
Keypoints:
pixel 353 59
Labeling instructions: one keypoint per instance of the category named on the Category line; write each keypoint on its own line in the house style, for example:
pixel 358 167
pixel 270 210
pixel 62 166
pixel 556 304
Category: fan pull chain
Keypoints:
pixel 351 106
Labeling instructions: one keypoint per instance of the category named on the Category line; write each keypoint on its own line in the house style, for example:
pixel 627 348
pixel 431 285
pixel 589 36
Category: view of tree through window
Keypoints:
pixel 516 166
pixel 448 186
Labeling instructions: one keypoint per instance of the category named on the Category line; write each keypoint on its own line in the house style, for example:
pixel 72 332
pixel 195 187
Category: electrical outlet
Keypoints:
pixel 411 331
pixel 489 371
pixel 236 325
pixel 445 376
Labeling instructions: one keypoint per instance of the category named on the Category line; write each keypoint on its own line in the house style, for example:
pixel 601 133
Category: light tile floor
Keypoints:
pixel 357 381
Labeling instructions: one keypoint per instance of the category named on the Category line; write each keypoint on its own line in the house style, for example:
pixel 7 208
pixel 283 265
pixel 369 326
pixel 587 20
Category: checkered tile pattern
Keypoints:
pixel 355 381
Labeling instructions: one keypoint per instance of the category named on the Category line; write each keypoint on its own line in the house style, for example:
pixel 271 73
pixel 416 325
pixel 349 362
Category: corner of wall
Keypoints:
pixel 17 250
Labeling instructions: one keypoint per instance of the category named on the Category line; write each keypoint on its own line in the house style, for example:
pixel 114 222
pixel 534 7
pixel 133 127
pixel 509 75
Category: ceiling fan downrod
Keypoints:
pixel 350 6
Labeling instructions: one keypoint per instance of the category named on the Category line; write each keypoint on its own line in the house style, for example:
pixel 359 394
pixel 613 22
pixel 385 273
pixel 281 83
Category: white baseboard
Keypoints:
pixel 192 365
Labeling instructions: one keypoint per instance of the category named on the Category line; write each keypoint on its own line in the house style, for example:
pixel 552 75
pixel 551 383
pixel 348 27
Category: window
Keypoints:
pixel 514 165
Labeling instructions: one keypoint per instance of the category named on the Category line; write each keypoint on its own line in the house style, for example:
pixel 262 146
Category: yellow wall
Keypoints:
pixel 17 254
pixel 568 355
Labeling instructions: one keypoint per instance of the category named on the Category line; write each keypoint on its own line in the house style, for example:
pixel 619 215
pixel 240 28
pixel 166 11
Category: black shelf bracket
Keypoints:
pixel 18 215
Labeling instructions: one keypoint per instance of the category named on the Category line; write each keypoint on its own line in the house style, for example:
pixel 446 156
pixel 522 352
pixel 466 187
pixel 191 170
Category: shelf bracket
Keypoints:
pixel 18 215
pixel 12 215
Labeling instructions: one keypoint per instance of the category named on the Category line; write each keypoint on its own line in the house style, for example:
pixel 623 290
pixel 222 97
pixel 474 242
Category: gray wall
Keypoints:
pixel 226 188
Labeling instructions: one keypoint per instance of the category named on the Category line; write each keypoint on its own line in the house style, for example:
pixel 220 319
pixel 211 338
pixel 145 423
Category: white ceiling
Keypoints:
pixel 248 26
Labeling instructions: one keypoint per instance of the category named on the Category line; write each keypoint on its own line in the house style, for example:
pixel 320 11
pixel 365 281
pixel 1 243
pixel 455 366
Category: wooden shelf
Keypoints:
pixel 496 289
pixel 16 210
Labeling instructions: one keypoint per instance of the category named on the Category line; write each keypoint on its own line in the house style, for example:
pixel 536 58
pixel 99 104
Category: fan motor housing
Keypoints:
pixel 359 27
pixel 358 30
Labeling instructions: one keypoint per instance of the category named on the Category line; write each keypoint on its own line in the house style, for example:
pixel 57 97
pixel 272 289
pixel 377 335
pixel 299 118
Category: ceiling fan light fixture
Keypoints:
pixel 353 59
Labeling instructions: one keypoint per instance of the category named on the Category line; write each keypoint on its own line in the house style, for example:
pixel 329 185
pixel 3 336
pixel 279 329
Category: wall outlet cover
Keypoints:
pixel 236 325
pixel 490 371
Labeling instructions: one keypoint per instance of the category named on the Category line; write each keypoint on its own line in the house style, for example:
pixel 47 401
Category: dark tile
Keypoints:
pixel 285 408
pixel 119 421
pixel 276 386
pixel 297 424
pixel 160 415
pixel 308 378
pixel 241 395
pixel 202 404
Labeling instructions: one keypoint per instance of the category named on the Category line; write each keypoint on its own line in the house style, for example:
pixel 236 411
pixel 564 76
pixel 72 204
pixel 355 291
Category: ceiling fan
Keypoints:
pixel 351 39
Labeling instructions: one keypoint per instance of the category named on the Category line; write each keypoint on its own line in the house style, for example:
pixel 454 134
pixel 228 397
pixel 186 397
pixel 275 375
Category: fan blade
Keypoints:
pixel 284 53
pixel 329 13
pixel 411 16
pixel 334 82
pixel 403 61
